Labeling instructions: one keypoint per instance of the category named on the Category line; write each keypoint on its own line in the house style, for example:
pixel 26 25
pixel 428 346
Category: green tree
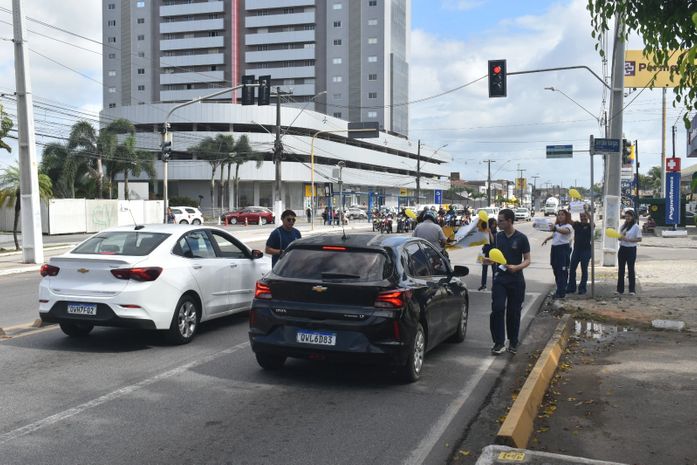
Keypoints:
pixel 10 193
pixel 667 27
pixel 242 154
pixel 214 151
pixel 53 161
pixel 131 161
pixel 5 126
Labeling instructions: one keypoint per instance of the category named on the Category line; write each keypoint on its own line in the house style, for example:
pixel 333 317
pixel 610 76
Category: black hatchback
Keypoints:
pixel 364 297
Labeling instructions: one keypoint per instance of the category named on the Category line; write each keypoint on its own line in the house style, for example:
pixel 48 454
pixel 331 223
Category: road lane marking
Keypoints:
pixel 421 452
pixel 53 419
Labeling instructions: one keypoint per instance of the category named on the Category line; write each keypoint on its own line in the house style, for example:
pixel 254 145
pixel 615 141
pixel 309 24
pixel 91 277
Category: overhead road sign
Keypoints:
pixel 605 145
pixel 560 151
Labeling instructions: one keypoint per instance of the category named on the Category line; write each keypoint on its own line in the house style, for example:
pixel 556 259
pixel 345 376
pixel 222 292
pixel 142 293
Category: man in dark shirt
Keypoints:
pixel 581 254
pixel 281 237
pixel 508 291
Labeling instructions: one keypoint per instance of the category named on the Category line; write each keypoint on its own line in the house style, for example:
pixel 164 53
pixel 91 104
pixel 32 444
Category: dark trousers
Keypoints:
pixel 484 272
pixel 507 297
pixel 626 256
pixel 582 257
pixel 559 259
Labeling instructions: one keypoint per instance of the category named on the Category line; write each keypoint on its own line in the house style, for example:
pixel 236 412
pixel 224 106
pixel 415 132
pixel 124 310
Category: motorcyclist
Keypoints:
pixel 428 229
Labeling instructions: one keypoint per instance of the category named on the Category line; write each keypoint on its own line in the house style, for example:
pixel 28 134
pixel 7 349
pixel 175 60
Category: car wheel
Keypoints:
pixel 461 332
pixel 412 370
pixel 196 221
pixel 270 361
pixel 262 220
pixel 184 321
pixel 76 329
pixel 233 220
pixel 183 222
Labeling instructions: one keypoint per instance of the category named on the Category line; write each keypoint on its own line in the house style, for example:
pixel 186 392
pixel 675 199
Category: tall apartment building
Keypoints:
pixel 160 51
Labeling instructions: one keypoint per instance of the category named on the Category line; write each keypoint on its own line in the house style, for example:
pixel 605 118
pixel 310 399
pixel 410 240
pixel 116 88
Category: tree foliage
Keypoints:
pixel 5 126
pixel 667 27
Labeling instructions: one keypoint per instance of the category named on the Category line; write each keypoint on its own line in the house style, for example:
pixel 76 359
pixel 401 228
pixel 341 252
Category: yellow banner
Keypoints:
pixel 521 183
pixel 640 69
pixel 308 190
pixel 402 191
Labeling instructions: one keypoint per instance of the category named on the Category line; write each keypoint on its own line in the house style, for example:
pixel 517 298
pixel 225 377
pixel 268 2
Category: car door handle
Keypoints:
pixel 233 265
pixel 197 267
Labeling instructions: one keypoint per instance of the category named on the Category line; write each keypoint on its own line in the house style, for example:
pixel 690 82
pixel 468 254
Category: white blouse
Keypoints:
pixel 562 239
pixel 633 233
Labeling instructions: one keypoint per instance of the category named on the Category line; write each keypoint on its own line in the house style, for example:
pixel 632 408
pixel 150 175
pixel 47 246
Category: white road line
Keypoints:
pixel 419 454
pixel 53 419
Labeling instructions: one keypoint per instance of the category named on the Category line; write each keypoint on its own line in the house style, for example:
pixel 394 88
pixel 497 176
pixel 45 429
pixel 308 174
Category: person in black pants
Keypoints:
pixel 508 292
pixel 485 252
pixel 582 253
pixel 560 255
pixel 631 236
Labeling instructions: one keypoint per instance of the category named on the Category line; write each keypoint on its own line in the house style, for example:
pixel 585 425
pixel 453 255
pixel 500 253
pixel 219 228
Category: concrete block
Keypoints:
pixel 670 233
pixel 500 455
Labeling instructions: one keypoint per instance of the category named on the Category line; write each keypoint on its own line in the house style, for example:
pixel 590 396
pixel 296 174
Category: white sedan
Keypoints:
pixel 523 214
pixel 168 277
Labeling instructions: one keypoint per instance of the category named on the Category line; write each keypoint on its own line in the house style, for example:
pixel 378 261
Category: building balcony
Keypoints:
pixel 280 55
pixel 268 4
pixel 192 8
pixel 193 26
pixel 185 95
pixel 194 42
pixel 280 20
pixel 191 78
pixel 192 60
pixel 296 72
pixel 279 37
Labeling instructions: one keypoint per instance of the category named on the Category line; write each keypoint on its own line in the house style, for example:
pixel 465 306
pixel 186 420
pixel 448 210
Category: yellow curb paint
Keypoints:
pixel 517 428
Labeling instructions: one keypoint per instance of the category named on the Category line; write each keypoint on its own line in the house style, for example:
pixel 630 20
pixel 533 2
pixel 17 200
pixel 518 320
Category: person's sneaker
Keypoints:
pixel 632 293
pixel 513 348
pixel 498 349
pixel 581 291
pixel 482 288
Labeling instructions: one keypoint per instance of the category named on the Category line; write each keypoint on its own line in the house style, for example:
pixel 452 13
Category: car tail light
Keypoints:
pixel 262 291
pixel 393 299
pixel 138 274
pixel 334 247
pixel 49 270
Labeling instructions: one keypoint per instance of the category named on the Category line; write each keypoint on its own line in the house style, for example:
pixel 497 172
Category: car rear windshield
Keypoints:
pixel 133 243
pixel 332 265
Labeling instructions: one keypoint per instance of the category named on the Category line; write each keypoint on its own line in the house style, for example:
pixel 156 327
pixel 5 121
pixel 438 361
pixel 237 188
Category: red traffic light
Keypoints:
pixel 496 69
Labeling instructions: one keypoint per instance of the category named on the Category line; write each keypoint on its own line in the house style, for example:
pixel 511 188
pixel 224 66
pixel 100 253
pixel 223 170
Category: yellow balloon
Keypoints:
pixel 449 232
pixel 410 213
pixel 483 215
pixel 575 194
pixel 496 256
pixel 612 232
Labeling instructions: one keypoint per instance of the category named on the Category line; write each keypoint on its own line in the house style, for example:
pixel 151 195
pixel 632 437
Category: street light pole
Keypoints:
pixel 341 165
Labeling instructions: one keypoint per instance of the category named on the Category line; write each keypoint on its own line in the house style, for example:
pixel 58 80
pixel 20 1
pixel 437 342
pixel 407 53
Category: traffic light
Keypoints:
pixel 626 152
pixel 264 89
pixel 247 91
pixel 497 78
pixel 166 150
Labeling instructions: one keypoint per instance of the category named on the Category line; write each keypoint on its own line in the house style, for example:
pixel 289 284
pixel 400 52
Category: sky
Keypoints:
pixel 451 41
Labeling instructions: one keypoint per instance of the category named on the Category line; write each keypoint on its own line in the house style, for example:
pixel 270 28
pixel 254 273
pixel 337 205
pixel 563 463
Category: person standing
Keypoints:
pixel 281 237
pixel 170 216
pixel 485 251
pixel 630 237
pixel 308 212
pixel 581 254
pixel 429 230
pixel 560 254
pixel 508 291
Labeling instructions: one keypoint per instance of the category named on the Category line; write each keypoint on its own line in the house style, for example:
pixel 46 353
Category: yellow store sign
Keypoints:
pixel 639 70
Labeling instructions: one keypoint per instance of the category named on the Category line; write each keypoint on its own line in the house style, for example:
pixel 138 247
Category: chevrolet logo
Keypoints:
pixel 319 288
pixel 82 270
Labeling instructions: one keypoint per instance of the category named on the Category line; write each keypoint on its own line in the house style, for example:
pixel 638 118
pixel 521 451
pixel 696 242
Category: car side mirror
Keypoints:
pixel 257 254
pixel 460 271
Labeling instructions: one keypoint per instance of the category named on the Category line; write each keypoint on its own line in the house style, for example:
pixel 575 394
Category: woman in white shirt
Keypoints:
pixel 560 256
pixel 631 236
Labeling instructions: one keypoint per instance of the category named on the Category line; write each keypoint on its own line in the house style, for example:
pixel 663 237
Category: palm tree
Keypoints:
pixel 5 126
pixel 242 154
pixel 111 151
pixel 133 161
pixel 9 193
pixel 53 162
pixel 215 152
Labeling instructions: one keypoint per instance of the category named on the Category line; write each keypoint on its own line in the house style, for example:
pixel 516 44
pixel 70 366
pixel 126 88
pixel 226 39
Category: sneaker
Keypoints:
pixel 498 349
pixel 482 288
pixel 632 293
pixel 618 293
pixel 581 291
pixel 513 348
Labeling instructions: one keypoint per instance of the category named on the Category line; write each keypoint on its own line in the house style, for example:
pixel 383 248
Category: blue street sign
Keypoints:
pixel 606 145
pixel 673 198
pixel 560 151
pixel 438 196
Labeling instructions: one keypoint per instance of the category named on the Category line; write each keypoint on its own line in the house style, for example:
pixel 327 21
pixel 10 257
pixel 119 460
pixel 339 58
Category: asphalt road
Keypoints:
pixel 125 397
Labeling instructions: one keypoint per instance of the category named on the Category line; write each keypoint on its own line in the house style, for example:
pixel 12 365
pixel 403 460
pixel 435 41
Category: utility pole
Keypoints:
pixel 488 181
pixel 29 202
pixel 663 146
pixel 520 177
pixel 534 187
pixel 278 153
pixel 418 174
pixel 636 161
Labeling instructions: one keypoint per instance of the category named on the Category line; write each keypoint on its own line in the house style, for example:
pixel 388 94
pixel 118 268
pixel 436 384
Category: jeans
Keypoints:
pixel 626 255
pixel 559 259
pixel 582 256
pixel 507 297
pixel 484 272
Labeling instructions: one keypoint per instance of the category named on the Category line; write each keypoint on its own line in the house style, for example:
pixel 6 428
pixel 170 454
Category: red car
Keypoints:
pixel 256 215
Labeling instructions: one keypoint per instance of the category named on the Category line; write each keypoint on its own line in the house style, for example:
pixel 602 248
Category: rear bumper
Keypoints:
pixel 105 317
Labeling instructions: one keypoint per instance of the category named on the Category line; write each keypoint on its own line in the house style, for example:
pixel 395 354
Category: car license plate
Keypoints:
pixel 82 309
pixel 316 337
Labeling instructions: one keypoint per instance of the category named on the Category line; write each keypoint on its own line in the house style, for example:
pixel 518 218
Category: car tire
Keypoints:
pixel 183 222
pixel 270 361
pixel 461 331
pixel 411 371
pixel 185 321
pixel 262 220
pixel 76 329
pixel 233 221
pixel 196 221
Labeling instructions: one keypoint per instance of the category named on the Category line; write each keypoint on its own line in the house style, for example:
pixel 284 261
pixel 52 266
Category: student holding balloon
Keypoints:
pixel 560 255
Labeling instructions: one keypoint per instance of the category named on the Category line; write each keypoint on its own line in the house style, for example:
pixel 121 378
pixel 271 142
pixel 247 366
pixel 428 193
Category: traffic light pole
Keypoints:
pixel 278 151
pixel 488 181
pixel 418 175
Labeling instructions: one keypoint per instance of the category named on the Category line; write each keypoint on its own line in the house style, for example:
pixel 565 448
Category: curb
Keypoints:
pixel 517 428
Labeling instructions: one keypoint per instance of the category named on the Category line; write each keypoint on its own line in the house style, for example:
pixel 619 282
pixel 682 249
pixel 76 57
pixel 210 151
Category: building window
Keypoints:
pixel 372 22
pixel 112 105
pixel 372 59
pixel 288 11
pixel 337 6
pixel 111 73
pixel 337 41
pixel 112 56
pixel 372 114
pixel 141 20
pixel 141 36
pixel 336 61
pixel 111 40
pixel 111 22
pixel 337 79
pixel 372 2
pixel 141 54
pixel 140 4
pixel 141 70
pixel 372 95
pixel 337 114
pixel 112 90
pixel 111 6
pixel 141 87
pixel 337 23
pixel 373 77
pixel 372 40
pixel 337 96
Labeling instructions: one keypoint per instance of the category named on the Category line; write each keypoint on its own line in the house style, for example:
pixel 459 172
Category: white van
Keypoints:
pixel 551 206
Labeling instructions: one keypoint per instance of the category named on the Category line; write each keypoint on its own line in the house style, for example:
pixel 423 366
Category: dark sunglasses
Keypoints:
pixel 290 218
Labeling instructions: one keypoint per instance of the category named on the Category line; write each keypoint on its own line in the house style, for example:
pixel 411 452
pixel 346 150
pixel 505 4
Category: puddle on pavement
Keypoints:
pixel 596 330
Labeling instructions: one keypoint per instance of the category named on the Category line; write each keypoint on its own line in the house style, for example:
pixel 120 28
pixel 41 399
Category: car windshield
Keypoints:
pixel 132 243
pixel 331 265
